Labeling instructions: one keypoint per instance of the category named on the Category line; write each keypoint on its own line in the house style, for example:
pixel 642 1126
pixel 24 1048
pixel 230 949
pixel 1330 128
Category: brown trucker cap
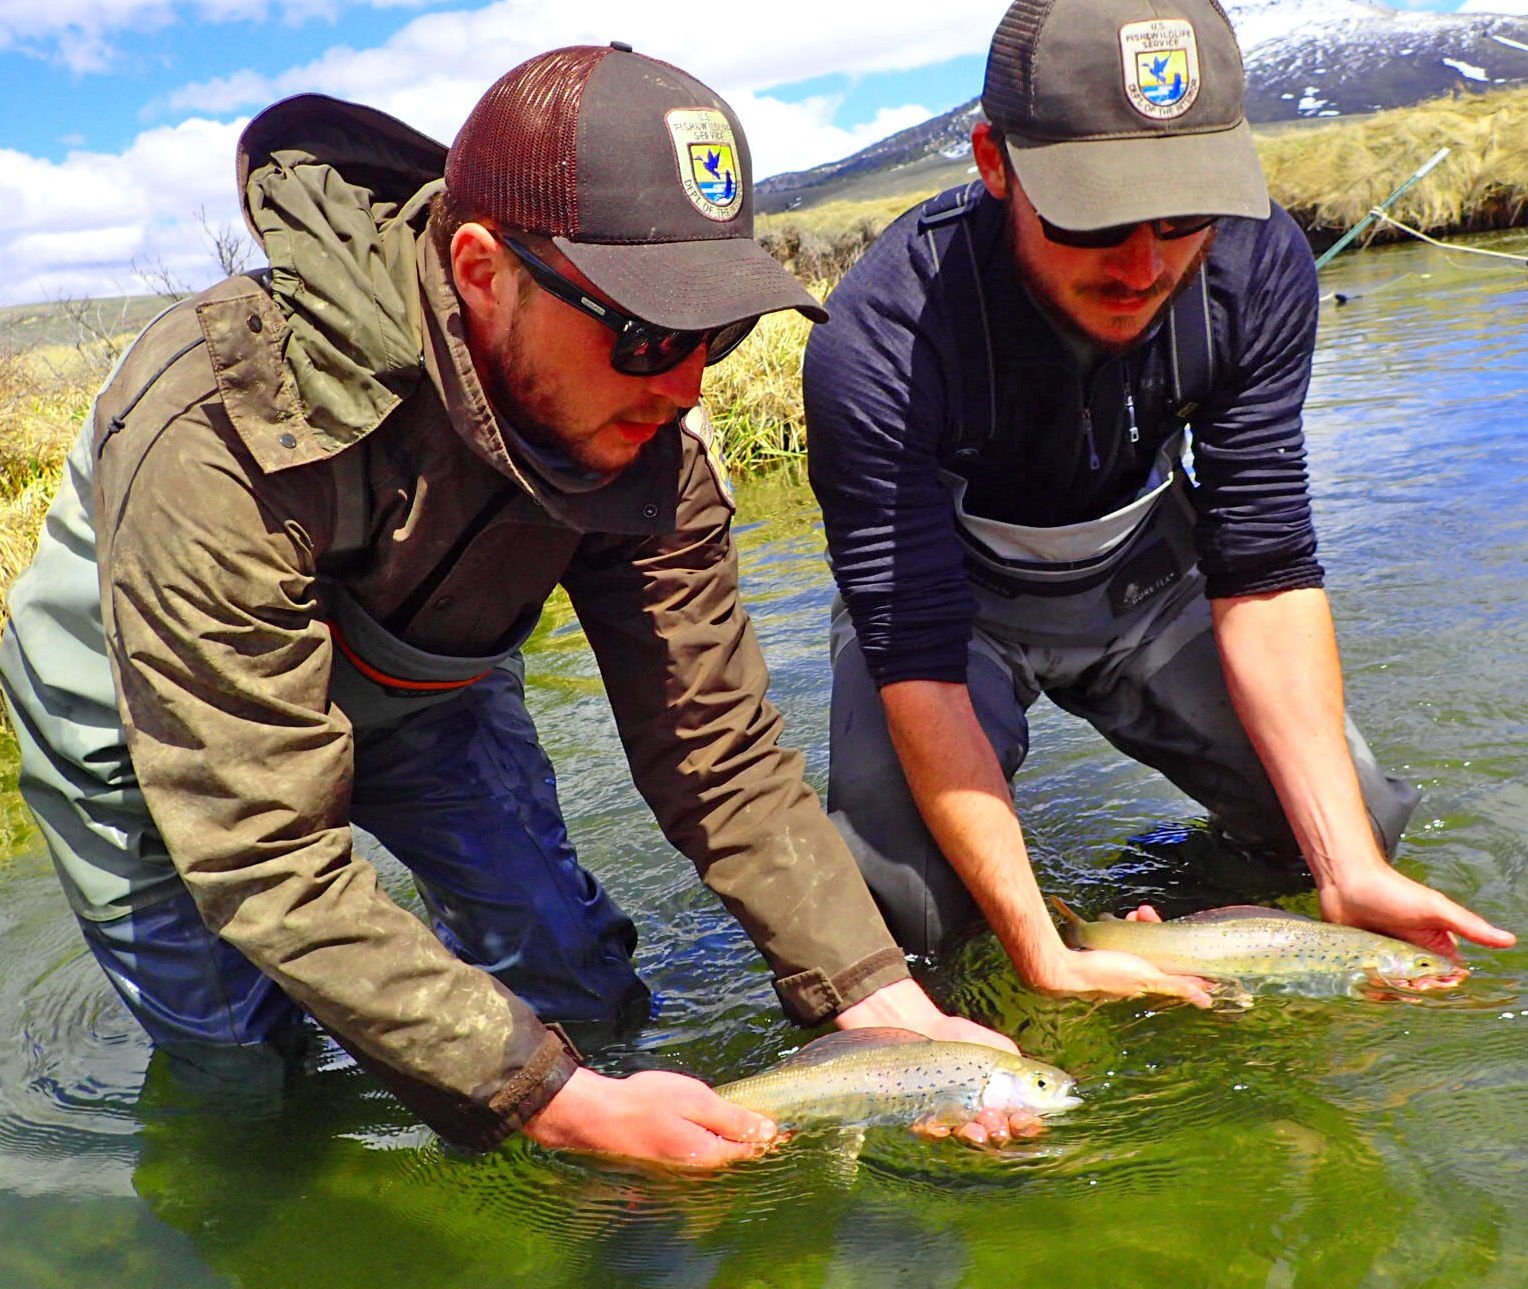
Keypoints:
pixel 1117 111
pixel 638 173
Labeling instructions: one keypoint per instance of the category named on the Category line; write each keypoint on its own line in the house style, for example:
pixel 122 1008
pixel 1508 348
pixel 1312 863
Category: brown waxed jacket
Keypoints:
pixel 219 445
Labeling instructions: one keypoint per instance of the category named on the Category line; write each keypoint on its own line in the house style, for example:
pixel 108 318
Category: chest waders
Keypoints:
pixel 449 777
pixel 1106 617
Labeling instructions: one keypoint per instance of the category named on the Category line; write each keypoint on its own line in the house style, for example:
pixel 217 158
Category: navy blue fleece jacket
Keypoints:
pixel 894 380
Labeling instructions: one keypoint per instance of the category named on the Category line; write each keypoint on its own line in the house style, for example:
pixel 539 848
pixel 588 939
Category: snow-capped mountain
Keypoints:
pixel 1329 57
pixel 1305 58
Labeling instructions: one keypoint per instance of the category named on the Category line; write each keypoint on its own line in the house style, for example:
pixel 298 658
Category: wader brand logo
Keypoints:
pixel 1161 60
pixel 708 166
pixel 1143 578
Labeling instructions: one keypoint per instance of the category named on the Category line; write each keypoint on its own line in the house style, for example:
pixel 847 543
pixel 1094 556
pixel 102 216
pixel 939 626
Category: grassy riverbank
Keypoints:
pixel 1328 176
pixel 754 395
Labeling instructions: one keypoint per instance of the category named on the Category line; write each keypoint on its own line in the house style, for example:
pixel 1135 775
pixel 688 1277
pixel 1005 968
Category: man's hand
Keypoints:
pixel 1107 973
pixel 654 1115
pixel 904 1005
pixel 1378 898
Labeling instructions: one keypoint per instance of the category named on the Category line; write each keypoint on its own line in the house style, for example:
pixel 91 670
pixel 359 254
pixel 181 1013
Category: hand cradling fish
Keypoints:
pixel 879 1076
pixel 1250 944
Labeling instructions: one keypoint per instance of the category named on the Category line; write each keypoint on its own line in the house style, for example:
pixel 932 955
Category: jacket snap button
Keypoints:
pixel 288 440
pixel 255 324
pixel 649 511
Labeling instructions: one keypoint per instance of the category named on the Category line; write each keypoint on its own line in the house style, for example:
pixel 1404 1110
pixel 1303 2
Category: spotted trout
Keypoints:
pixel 876 1076
pixel 1247 943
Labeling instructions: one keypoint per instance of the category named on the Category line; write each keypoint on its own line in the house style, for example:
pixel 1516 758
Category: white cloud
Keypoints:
pixel 432 70
pixel 461 52
pixel 1495 6
pixel 795 136
pixel 79 226
pixel 76 226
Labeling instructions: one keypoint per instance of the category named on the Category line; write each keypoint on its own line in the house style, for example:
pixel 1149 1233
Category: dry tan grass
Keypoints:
pixel 754 395
pixel 1329 176
pixel 42 399
pixel 835 217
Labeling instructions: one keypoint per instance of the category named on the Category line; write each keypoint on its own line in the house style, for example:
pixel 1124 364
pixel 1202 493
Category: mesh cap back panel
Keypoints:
pixel 531 115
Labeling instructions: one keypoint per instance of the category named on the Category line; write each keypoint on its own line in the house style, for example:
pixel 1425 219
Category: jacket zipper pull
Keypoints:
pixel 1087 433
pixel 1135 432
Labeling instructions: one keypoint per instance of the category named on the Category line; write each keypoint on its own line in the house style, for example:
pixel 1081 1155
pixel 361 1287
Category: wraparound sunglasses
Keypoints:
pixel 640 348
pixel 1166 230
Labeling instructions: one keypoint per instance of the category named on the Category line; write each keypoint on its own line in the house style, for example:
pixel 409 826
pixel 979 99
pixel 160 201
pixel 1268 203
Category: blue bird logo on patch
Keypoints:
pixel 1162 76
pixel 715 172
pixel 713 165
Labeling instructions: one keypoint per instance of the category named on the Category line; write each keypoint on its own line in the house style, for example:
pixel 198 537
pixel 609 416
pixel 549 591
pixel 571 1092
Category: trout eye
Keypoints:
pixel 1040 1082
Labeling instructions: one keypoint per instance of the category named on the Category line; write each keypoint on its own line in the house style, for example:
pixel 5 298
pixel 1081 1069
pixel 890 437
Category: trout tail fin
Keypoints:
pixel 1071 924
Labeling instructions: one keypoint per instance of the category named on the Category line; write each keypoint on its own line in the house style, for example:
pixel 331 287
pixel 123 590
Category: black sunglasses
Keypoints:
pixel 1166 230
pixel 640 348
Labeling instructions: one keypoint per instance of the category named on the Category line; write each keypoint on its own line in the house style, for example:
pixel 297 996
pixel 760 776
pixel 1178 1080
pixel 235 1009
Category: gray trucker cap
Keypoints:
pixel 1117 111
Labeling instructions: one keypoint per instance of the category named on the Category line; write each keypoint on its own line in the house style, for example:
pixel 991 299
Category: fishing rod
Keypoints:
pixel 1341 244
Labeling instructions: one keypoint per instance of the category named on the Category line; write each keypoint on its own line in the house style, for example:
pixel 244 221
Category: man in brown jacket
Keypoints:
pixel 314 515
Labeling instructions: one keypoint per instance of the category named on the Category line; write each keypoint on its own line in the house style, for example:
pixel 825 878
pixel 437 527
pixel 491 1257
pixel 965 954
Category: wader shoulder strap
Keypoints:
pixel 946 228
pixel 1191 340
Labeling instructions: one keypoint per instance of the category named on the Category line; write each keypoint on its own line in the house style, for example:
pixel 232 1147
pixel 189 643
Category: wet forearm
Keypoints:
pixel 1279 652
pixel 967 805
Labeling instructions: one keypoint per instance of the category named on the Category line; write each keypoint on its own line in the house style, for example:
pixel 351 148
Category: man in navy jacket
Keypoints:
pixel 997 416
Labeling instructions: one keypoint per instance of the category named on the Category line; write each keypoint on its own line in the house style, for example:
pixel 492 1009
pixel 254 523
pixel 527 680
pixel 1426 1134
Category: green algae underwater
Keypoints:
pixel 1303 1142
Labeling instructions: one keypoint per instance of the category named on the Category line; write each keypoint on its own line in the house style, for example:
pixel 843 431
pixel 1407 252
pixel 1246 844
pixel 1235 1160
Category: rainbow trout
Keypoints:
pixel 870 1076
pixel 1246 942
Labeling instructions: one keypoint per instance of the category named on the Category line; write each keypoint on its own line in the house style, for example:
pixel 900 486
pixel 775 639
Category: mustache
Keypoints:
pixel 1119 292
pixel 659 413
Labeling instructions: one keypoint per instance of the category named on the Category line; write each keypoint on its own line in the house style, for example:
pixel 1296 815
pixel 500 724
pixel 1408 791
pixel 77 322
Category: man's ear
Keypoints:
pixel 478 266
pixel 988 155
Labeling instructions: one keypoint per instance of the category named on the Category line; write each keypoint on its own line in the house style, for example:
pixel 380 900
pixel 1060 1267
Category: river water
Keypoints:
pixel 1304 1142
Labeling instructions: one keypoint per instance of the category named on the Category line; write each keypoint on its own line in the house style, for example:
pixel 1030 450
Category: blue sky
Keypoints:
pixel 119 117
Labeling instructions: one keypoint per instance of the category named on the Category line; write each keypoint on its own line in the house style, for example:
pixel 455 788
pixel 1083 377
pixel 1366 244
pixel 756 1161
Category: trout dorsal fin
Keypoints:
pixel 1072 924
pixel 1065 912
pixel 831 1046
pixel 1235 912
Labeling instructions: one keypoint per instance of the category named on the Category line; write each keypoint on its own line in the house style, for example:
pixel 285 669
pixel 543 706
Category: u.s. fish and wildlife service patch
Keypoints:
pixel 708 161
pixel 1161 58
pixel 697 423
